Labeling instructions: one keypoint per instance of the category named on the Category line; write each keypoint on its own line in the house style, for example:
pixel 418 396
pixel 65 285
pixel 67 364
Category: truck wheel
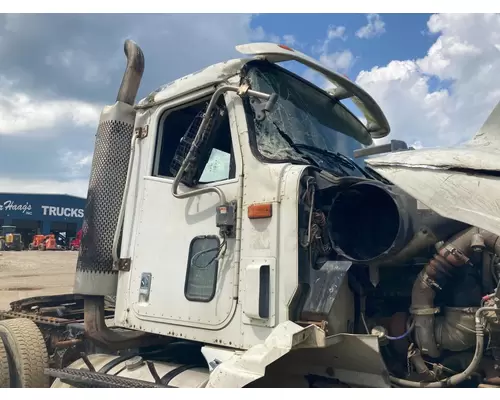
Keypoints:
pixel 26 344
pixel 4 367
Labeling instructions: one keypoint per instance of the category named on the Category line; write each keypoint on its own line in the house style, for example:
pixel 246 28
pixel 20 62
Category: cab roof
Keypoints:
pixel 215 74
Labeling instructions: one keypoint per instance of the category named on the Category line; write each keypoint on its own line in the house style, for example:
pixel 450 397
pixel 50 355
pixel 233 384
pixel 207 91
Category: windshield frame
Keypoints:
pixel 251 122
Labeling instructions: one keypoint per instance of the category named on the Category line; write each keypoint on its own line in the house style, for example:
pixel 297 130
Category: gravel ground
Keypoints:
pixel 35 273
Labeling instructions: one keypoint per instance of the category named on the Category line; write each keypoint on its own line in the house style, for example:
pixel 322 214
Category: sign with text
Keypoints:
pixel 30 206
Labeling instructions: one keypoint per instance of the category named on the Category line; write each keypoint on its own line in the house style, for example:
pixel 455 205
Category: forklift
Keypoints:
pixel 9 239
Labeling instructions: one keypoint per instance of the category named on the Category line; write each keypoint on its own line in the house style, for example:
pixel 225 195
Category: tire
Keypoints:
pixel 4 367
pixel 28 350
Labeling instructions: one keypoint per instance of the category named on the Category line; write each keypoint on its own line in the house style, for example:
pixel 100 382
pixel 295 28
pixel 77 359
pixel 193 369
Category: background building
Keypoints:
pixel 42 214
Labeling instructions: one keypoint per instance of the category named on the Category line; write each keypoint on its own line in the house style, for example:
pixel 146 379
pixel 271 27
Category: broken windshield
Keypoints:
pixel 303 121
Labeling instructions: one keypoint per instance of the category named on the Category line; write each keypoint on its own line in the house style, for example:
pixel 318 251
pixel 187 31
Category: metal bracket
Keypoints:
pixel 142 131
pixel 259 107
pixel 123 264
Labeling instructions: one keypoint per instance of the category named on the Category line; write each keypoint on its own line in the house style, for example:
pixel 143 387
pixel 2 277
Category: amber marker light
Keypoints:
pixel 262 210
pixel 285 47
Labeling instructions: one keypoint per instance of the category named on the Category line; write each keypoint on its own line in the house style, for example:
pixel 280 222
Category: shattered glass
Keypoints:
pixel 303 115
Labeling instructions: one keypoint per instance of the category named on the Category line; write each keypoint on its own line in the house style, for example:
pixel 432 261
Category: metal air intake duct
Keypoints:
pixel 94 271
pixel 370 222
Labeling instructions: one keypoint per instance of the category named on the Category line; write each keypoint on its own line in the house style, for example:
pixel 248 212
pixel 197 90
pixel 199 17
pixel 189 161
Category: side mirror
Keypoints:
pixel 394 145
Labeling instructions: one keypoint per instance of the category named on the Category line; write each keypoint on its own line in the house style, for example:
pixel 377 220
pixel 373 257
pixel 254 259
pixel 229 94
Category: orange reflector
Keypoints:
pixel 263 210
pixel 285 47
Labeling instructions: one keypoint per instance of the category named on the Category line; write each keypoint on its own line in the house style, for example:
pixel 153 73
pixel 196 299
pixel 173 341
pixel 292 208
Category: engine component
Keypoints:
pixel 381 333
pixel 369 220
pixel 455 253
pixel 373 223
pixel 415 357
pixel 455 330
pixel 329 297
pixel 476 359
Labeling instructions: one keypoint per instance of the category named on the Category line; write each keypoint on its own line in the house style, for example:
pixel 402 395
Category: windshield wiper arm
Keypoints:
pixel 293 145
pixel 351 162
pixel 341 158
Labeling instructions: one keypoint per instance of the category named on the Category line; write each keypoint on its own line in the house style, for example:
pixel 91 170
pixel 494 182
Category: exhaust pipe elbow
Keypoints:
pixel 97 330
pixel 133 73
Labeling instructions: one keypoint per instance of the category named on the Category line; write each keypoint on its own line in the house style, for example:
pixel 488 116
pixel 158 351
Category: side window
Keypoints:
pixel 201 273
pixel 177 130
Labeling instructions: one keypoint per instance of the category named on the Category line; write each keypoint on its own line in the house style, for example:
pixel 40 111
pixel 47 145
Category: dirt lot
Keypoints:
pixel 35 273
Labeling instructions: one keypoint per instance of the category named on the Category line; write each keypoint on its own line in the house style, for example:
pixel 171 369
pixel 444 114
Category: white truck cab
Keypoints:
pixel 214 258
pixel 227 217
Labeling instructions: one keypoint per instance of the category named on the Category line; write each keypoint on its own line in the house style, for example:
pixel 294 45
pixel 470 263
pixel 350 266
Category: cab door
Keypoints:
pixel 180 272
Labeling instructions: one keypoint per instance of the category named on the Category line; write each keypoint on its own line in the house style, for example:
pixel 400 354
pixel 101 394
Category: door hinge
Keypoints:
pixel 142 131
pixel 123 264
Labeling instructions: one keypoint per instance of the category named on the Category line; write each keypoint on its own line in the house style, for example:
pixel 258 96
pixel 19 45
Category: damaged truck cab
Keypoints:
pixel 223 169
pixel 227 216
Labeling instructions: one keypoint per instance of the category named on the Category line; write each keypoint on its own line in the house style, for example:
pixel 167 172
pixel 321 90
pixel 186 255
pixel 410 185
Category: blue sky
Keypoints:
pixel 309 29
pixel 434 75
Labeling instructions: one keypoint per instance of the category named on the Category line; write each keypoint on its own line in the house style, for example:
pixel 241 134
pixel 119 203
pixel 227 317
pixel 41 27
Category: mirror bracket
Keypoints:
pixel 393 146
pixel 261 103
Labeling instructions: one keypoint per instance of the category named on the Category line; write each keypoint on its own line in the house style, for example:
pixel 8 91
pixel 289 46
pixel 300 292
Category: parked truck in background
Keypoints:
pixel 74 243
pixel 10 239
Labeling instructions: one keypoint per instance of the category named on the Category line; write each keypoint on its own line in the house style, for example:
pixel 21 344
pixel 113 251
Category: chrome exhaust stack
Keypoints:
pixel 96 276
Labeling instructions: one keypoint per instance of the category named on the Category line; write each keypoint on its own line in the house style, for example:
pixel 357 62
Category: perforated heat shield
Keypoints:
pixel 94 269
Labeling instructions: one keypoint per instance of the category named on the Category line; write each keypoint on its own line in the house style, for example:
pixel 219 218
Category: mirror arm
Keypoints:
pixel 393 146
pixel 242 91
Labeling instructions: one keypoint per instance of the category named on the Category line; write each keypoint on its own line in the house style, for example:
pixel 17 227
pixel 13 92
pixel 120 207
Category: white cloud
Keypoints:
pixel 375 27
pixel 21 112
pixel 75 163
pixel 445 96
pixel 289 40
pixel 260 35
pixel 336 32
pixel 56 70
pixel 76 187
pixel 333 33
pixel 338 61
